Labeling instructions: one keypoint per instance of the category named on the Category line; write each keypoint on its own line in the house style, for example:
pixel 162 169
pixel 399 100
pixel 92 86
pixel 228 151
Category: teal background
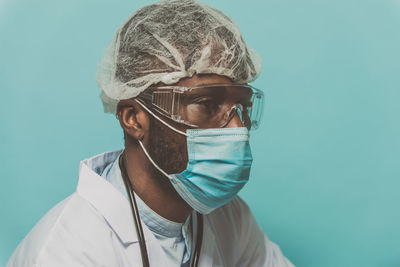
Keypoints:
pixel 325 182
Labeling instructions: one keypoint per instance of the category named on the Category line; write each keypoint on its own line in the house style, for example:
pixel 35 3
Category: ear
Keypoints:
pixel 133 119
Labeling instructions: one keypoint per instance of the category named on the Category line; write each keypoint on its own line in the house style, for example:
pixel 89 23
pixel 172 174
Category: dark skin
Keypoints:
pixel 167 149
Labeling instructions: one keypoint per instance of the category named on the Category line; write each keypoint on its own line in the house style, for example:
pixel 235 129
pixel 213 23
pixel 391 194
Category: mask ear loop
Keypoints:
pixel 160 120
pixel 142 146
pixel 152 161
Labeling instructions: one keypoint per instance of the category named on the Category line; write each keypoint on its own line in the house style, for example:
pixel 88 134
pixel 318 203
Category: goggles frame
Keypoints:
pixel 166 100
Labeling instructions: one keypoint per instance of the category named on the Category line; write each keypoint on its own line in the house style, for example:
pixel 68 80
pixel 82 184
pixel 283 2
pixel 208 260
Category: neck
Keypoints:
pixel 153 187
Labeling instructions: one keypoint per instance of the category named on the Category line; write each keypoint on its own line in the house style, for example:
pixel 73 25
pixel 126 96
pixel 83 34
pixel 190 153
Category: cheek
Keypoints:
pixel 168 148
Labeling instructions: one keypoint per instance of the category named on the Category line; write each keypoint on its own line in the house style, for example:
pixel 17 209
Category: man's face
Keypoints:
pixel 168 148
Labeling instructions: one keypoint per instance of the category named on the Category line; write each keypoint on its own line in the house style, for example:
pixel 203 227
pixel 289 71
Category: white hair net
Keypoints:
pixel 167 41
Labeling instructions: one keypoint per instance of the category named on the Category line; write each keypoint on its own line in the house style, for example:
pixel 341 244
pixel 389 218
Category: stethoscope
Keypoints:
pixel 194 259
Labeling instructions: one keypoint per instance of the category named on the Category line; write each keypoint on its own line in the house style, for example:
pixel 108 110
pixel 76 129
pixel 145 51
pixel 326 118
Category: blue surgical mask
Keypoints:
pixel 219 162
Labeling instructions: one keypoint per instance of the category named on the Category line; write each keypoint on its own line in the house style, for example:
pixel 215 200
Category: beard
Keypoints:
pixel 167 148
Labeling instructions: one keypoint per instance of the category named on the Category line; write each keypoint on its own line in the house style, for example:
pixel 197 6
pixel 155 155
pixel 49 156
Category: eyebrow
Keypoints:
pixel 209 91
pixel 216 84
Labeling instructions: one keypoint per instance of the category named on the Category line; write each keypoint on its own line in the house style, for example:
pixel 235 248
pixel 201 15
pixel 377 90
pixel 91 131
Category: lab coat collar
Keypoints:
pixel 116 210
pixel 106 199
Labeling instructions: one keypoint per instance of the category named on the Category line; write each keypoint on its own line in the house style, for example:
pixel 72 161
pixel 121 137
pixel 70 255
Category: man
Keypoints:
pixel 176 77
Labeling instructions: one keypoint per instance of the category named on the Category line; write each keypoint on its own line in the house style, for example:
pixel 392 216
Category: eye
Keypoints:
pixel 207 105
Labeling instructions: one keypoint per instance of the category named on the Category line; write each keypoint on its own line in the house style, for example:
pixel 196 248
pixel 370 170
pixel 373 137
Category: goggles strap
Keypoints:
pixel 158 118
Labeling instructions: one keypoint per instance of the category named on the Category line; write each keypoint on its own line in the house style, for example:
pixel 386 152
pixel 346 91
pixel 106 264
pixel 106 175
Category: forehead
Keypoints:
pixel 203 79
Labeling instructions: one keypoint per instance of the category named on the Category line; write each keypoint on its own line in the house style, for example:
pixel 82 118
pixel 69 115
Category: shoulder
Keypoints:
pixel 241 239
pixel 231 225
pixel 231 216
pixel 70 226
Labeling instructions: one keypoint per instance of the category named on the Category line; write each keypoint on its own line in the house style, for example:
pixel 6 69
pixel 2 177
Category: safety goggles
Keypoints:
pixel 207 106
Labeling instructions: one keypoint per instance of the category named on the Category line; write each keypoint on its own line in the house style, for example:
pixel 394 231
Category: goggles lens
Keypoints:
pixel 208 106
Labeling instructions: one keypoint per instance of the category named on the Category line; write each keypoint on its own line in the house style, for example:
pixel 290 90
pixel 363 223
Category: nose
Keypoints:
pixel 235 121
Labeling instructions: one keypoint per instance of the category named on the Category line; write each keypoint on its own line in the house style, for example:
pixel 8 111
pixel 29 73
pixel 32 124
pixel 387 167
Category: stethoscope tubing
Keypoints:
pixel 135 213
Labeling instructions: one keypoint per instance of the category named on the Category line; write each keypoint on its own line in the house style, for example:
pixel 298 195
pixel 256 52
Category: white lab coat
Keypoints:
pixel 94 227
